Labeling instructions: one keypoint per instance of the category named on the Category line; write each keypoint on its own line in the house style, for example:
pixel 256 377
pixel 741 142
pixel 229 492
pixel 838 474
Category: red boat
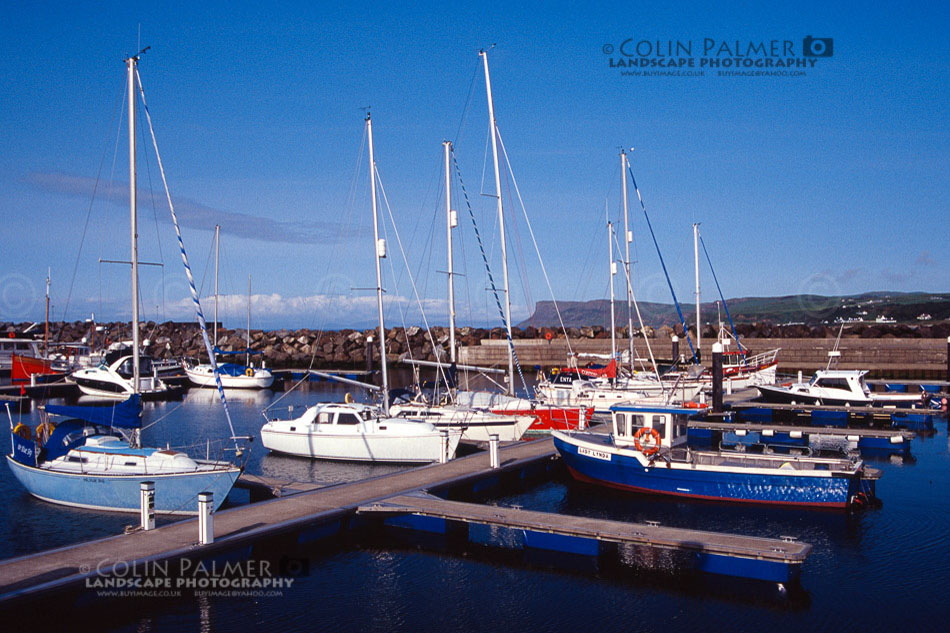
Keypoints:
pixel 551 418
pixel 547 417
pixel 23 367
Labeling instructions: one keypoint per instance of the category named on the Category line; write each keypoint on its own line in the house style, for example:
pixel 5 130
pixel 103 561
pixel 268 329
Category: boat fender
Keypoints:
pixel 348 398
pixel 23 431
pixel 654 434
pixel 694 405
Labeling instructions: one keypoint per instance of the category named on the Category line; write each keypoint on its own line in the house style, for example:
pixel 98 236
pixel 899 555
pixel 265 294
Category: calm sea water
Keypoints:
pixel 881 570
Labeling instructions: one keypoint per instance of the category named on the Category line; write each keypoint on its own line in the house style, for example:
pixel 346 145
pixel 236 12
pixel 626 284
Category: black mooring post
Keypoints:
pixel 676 349
pixel 717 376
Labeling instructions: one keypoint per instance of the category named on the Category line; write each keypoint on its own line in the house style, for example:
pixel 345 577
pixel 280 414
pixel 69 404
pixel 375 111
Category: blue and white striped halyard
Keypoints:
pixel 662 263
pixel 191 279
pixel 491 280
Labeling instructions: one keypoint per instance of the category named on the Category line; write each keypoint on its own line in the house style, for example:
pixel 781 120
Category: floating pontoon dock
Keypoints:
pixel 325 512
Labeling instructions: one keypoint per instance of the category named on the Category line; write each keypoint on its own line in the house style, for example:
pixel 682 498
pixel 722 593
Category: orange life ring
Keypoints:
pixel 653 433
pixel 548 336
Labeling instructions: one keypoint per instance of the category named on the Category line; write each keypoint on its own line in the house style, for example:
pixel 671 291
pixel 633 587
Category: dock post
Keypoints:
pixel 493 450
pixel 147 503
pixel 444 446
pixel 729 387
pixel 675 353
pixel 717 377
pixel 205 518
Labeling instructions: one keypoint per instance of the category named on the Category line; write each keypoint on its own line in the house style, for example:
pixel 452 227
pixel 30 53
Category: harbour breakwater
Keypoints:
pixel 884 348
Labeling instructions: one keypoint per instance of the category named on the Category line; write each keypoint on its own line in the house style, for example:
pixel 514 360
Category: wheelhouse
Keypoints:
pixel 669 423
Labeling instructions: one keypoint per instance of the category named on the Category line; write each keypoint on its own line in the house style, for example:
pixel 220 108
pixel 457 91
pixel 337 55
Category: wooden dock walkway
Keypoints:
pixel 268 487
pixel 786 551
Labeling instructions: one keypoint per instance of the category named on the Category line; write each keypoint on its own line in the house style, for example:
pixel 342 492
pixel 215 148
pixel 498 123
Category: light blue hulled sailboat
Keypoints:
pixel 94 459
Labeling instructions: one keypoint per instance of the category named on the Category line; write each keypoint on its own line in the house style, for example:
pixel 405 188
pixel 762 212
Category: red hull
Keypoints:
pixel 547 419
pixel 25 366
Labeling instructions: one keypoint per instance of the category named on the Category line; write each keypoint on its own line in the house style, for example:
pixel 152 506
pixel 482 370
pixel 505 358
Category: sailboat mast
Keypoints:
pixel 627 238
pixel 247 362
pixel 46 327
pixel 131 63
pixel 501 224
pixel 217 244
pixel 696 263
pixel 612 268
pixel 379 247
pixel 451 221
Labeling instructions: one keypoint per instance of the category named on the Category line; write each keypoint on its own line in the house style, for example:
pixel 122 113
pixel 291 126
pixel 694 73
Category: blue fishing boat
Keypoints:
pixel 92 460
pixel 647 452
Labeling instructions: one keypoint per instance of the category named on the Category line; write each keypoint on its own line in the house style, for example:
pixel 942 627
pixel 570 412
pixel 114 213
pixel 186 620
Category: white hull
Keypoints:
pixel 586 394
pixel 321 433
pixel 476 426
pixel 201 377
pixel 359 447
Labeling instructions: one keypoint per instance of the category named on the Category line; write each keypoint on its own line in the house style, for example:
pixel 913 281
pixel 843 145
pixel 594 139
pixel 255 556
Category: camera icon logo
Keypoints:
pixel 818 46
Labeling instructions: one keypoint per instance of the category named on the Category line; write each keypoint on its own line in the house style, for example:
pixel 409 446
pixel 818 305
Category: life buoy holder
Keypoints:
pixel 655 437
pixel 249 372
pixel 23 431
pixel 43 432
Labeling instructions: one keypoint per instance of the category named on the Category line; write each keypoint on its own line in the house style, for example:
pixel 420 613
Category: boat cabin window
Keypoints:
pixel 679 429
pixel 622 428
pixel 659 423
pixel 323 418
pixel 629 423
pixel 347 418
pixel 834 383
pixel 125 369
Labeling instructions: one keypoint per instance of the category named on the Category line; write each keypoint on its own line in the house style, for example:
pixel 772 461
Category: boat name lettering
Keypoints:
pixel 592 453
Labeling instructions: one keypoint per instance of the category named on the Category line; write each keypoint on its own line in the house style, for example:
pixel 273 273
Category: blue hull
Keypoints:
pixel 627 473
pixel 174 494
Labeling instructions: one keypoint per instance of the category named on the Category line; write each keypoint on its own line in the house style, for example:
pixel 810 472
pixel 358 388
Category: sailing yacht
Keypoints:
pixel 358 432
pixel 232 375
pixel 94 458
pixel 602 388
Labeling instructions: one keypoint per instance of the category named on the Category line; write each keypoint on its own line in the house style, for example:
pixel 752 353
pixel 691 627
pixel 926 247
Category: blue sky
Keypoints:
pixel 831 182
